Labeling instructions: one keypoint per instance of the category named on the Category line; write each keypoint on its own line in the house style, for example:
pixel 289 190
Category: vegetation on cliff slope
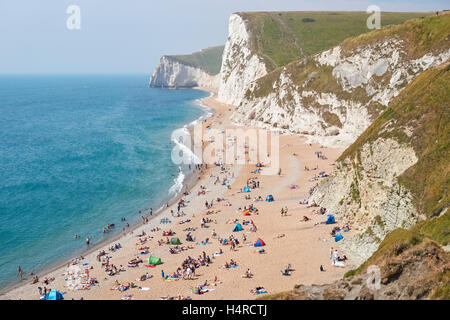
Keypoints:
pixel 282 37
pixel 420 117
pixel 209 59
pixel 419 36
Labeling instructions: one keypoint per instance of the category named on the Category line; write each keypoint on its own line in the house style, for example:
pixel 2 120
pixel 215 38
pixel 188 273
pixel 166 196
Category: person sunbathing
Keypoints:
pixel 248 274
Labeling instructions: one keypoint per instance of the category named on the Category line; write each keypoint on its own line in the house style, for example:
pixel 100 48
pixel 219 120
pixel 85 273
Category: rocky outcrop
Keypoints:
pixel 364 192
pixel 333 96
pixel 394 175
pixel 172 73
pixel 240 64
pixel 427 264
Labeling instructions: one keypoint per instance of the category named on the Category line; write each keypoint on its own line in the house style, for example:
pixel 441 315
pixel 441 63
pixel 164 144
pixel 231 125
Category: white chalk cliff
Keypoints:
pixel 172 73
pixel 240 65
pixel 364 192
pixel 359 84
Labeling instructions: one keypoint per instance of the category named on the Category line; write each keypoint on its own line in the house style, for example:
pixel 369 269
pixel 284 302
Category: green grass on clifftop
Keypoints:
pixel 282 37
pixel 209 59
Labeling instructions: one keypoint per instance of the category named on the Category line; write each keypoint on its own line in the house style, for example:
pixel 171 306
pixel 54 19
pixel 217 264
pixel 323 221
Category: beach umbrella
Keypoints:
pixel 175 241
pixel 246 189
pixel 269 198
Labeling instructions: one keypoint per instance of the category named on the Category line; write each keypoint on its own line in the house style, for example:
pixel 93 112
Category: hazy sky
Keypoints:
pixel 129 36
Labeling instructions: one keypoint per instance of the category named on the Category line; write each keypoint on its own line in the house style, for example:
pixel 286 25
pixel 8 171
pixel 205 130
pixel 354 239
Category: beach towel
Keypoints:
pixel 261 292
pixel 339 264
pixel 144 288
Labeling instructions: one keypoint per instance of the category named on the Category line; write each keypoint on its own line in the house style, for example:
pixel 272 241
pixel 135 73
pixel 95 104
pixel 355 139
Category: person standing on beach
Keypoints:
pixel 19 272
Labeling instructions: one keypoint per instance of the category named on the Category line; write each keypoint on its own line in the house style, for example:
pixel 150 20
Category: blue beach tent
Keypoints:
pixel 246 189
pixel 338 237
pixel 237 227
pixel 53 295
pixel 269 198
pixel 330 219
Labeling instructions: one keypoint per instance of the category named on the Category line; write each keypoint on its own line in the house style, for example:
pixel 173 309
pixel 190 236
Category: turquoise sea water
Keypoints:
pixel 76 153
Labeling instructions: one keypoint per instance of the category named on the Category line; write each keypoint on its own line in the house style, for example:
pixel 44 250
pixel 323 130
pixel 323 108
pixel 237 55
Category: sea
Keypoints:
pixel 78 152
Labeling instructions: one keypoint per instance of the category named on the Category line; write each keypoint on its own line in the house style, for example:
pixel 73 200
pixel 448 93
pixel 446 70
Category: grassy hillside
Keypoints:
pixel 281 37
pixel 419 35
pixel 423 107
pixel 209 59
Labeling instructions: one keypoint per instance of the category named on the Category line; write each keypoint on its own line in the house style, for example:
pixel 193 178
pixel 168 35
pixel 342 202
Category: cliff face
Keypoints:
pixel 396 173
pixel 426 264
pixel 260 42
pixel 364 191
pixel 332 97
pixel 240 65
pixel 172 73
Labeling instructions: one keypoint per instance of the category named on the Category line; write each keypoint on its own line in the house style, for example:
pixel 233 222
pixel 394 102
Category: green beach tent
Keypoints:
pixel 175 241
pixel 154 260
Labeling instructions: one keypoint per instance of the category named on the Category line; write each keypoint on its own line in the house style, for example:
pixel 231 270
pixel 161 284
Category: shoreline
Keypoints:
pixel 307 239
pixel 190 180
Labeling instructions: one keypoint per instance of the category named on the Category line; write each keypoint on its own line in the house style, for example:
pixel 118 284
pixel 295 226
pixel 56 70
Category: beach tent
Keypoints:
pixel 53 295
pixel 330 219
pixel 237 227
pixel 269 198
pixel 175 241
pixel 246 189
pixel 259 243
pixel 338 237
pixel 154 260
pixel 246 213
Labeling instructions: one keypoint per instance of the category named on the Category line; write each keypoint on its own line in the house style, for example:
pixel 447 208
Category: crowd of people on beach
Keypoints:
pixel 188 269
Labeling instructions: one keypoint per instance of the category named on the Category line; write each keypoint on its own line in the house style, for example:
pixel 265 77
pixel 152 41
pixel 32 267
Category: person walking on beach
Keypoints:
pixel 19 272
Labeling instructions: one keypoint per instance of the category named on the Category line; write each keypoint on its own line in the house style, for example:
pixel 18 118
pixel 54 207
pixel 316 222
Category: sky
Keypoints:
pixel 129 36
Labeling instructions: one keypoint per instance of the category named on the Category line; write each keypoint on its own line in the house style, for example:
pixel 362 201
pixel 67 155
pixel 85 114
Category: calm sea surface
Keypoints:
pixel 77 153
